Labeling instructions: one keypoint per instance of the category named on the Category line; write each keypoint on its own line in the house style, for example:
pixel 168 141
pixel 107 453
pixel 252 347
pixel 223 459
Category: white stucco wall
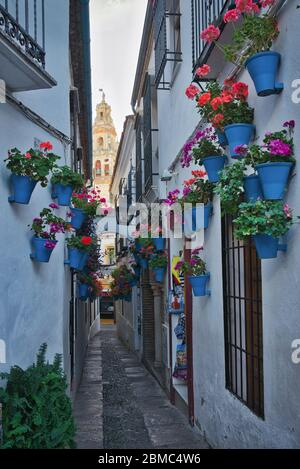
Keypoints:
pixel 224 419
pixel 34 299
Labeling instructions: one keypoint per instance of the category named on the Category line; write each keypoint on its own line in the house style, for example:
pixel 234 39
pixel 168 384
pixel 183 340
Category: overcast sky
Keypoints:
pixel 116 30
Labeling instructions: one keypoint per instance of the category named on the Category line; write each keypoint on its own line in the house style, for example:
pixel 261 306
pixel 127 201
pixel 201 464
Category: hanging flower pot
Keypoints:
pixel 78 218
pixel 238 134
pixel 144 263
pixel 159 274
pixel 159 243
pixel 22 188
pixel 274 178
pixel 267 247
pixel 138 245
pixel 222 139
pixel 197 218
pixel 199 284
pixel 77 258
pixel 252 188
pixel 63 194
pixel 42 249
pixel 213 165
pixel 137 271
pixel 83 291
pixel 127 298
pixel 263 68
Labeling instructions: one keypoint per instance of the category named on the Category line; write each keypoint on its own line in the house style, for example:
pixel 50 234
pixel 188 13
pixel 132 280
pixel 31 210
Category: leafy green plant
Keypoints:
pixel 194 267
pixel 256 34
pixel 158 261
pixel 83 243
pixel 35 163
pixel 207 146
pixel 237 112
pixel 263 217
pixel 47 225
pixel 231 187
pixel 67 177
pixel 37 413
pixel 89 202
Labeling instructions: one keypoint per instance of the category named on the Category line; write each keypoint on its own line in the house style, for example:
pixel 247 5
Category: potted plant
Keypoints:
pixel 65 181
pixel 158 263
pixel 252 42
pixel 210 154
pixel 85 204
pixel 195 270
pixel 147 250
pixel 274 161
pixel 28 169
pixel 158 240
pixel 45 229
pixel 266 221
pixel 79 248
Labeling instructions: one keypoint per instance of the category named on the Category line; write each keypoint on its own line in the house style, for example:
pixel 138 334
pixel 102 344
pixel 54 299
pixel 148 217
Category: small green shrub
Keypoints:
pixel 37 413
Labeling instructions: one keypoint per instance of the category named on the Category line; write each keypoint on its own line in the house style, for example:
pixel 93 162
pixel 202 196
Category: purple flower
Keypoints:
pixel 50 244
pixel 179 265
pixel 241 150
pixel 54 206
pixel 37 220
pixel 196 251
pixel 69 213
pixel 290 124
pixel 186 191
pixel 193 262
pixel 278 147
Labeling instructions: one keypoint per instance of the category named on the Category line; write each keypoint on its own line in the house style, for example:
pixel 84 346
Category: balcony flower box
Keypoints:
pixel 65 181
pixel 28 169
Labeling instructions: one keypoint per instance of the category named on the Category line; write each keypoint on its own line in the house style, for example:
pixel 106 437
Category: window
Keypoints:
pixel 167 39
pixel 106 170
pixel 204 12
pixel 98 168
pixel 242 287
pixel 101 142
pixel 139 159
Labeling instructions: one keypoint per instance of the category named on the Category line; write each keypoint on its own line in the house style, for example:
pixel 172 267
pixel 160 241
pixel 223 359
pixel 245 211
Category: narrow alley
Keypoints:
pixel 120 405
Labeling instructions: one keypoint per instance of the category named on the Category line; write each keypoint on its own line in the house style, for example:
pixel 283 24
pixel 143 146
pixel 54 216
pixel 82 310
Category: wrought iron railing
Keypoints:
pixel 23 23
pixel 165 50
pixel 204 12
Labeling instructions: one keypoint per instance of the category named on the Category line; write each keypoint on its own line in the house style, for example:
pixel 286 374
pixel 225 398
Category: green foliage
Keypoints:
pixel 159 260
pixel 45 221
pixel 201 192
pixel 237 112
pixel 258 154
pixel 206 148
pixel 37 413
pixel 67 177
pixel 194 267
pixel 262 217
pixel 256 34
pixel 231 187
pixel 35 163
pixel 83 243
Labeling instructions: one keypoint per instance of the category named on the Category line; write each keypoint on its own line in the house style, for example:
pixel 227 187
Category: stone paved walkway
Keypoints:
pixel 136 411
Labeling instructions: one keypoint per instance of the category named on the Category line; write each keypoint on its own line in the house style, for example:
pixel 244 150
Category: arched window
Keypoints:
pixel 106 170
pixel 98 168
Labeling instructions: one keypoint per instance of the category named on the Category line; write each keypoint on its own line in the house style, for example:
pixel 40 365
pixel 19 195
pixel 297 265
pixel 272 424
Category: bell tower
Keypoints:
pixel 105 147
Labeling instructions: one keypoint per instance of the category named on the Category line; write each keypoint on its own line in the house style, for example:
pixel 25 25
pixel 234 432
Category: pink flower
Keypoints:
pixel 203 71
pixel 210 34
pixel 50 245
pixel 266 3
pixel 232 16
pixel 28 156
pixel 46 146
pixel 103 200
pixel 247 6
pixel 287 210
pixel 191 91
pixel 54 206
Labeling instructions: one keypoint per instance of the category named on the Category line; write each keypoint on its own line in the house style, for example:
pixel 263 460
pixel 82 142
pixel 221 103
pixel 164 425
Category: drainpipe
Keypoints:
pixel 86 38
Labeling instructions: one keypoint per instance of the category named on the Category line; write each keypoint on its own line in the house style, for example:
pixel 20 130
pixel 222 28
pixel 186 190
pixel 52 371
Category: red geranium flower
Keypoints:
pixel 204 99
pixel 46 146
pixel 86 240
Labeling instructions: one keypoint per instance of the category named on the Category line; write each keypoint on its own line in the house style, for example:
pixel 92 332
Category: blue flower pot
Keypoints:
pixel 266 246
pixel 199 284
pixel 39 251
pixel 133 282
pixel 238 134
pixel 63 194
pixel 159 274
pixel 138 246
pixel 222 138
pixel 22 188
pixel 159 243
pixel 263 68
pixel 213 165
pixel 137 271
pixel 83 291
pixel 273 179
pixel 144 263
pixel 252 188
pixel 127 298
pixel 78 218
pixel 136 258
pixel 77 258
pixel 197 218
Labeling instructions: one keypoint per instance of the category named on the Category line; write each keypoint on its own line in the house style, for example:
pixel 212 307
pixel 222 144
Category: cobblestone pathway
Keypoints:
pixel 136 412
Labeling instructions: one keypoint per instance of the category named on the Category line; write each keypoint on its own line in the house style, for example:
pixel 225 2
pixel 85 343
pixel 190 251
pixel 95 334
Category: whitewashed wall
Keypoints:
pixel 225 421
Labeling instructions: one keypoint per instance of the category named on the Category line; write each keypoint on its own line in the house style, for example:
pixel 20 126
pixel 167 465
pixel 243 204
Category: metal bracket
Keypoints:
pixel 11 199
pixel 282 247
pixel 279 87
pixel 67 262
